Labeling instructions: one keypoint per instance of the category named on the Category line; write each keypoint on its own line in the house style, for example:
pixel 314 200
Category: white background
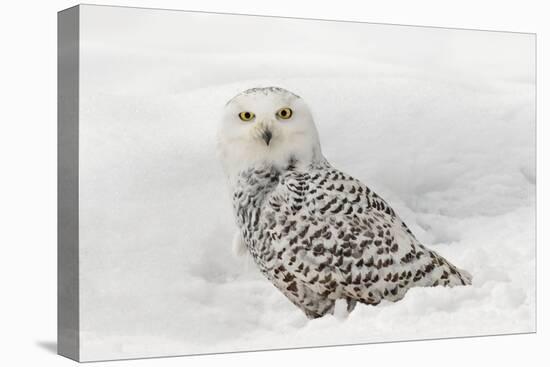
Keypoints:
pixel 439 122
pixel 28 155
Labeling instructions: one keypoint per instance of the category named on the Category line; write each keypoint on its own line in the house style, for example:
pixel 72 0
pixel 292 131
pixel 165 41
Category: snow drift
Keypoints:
pixel 447 140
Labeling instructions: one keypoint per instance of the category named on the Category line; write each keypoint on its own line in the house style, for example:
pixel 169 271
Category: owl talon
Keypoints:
pixel 341 309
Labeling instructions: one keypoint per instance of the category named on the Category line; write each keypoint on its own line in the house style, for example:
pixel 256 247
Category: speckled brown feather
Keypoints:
pixel 320 235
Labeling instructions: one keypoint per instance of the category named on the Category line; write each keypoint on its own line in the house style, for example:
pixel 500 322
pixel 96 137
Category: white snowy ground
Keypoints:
pixel 452 150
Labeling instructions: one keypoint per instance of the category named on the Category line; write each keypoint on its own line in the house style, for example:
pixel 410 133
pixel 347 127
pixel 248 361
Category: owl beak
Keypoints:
pixel 267 135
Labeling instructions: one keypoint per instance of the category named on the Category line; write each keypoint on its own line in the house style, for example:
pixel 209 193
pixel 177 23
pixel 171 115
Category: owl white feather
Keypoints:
pixel 319 235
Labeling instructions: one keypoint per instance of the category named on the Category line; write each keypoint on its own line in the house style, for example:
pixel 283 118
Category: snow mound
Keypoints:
pixel 453 153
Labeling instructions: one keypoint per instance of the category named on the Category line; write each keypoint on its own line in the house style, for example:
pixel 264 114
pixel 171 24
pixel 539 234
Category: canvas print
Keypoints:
pixel 235 183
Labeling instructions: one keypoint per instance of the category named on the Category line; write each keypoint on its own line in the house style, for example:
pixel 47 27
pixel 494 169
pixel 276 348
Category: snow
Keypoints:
pixel 441 123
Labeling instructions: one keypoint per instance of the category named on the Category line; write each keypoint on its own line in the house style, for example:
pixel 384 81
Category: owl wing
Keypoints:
pixel 341 240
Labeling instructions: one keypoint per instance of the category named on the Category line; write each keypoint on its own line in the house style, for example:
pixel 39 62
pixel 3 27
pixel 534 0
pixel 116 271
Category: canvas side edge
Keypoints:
pixel 68 325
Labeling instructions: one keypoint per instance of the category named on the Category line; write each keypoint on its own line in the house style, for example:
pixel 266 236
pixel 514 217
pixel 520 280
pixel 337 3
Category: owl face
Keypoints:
pixel 267 125
pixel 266 117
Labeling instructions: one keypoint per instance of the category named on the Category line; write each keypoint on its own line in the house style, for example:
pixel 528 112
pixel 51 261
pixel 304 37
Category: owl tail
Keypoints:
pixel 465 276
pixel 444 273
pixel 458 276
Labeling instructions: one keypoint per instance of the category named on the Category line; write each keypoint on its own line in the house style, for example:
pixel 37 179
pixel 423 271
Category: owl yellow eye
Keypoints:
pixel 246 116
pixel 284 113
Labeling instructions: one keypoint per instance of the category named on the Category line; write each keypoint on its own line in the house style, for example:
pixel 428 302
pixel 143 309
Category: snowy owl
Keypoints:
pixel 319 235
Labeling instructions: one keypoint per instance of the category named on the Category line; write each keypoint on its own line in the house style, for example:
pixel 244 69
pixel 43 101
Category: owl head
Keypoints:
pixel 267 126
